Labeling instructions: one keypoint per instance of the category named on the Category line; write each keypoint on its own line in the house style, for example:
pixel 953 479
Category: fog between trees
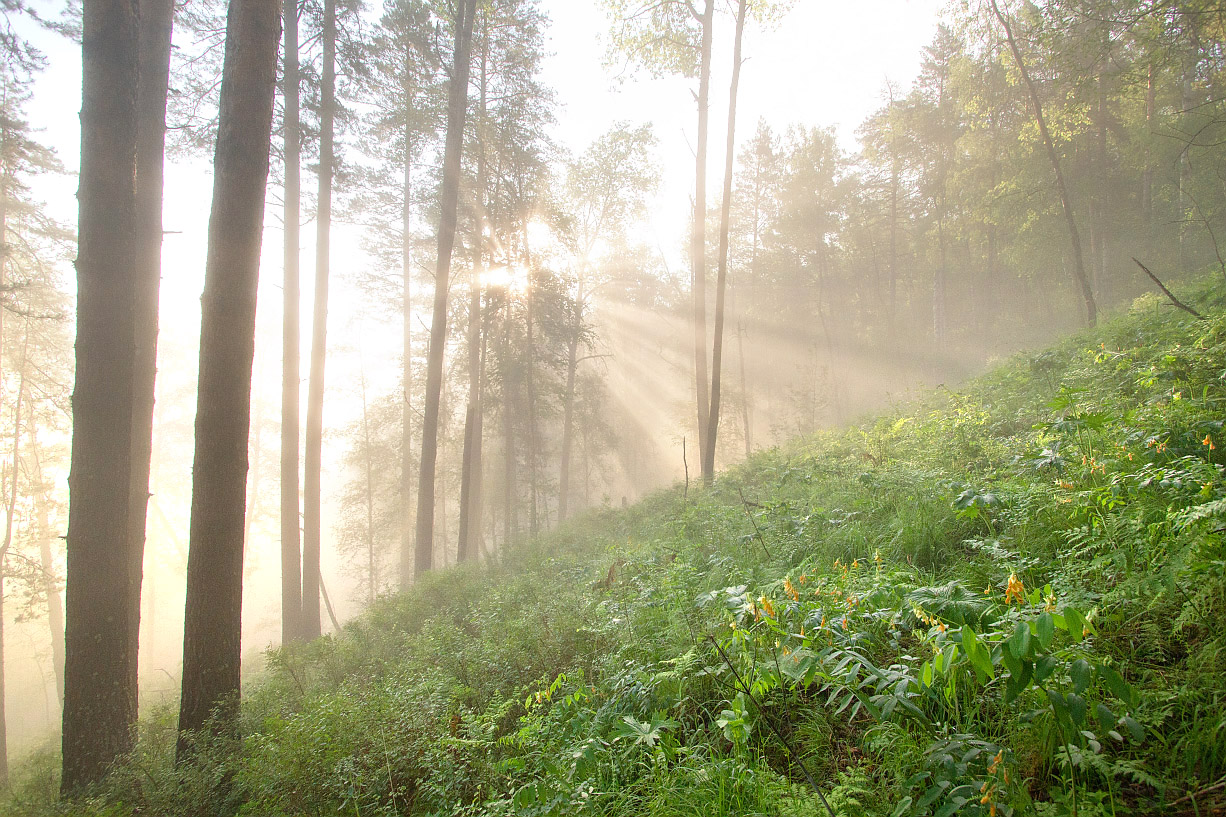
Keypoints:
pixel 993 202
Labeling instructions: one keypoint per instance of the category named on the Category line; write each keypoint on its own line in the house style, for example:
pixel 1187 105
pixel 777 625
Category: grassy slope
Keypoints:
pixel 579 676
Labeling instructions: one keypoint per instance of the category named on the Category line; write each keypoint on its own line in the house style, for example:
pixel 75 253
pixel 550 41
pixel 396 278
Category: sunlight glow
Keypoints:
pixel 513 279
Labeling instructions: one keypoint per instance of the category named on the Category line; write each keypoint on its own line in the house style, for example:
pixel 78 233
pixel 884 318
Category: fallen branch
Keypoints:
pixel 1167 292
pixel 1221 784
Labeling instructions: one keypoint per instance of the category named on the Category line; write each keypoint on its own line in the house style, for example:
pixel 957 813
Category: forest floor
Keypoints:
pixel 1008 598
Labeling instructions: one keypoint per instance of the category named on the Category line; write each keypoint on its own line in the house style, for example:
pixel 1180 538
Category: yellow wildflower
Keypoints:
pixel 1209 442
pixel 767 606
pixel 791 590
pixel 1015 591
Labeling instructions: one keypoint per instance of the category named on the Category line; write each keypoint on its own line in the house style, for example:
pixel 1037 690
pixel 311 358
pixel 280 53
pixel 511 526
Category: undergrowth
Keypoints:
pixel 1005 599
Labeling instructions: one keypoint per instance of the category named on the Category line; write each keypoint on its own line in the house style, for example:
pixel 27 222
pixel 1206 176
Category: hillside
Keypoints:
pixel 1008 598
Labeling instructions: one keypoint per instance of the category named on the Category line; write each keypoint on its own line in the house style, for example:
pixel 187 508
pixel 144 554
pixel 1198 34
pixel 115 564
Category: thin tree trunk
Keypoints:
pixel 510 524
pixel 371 570
pixel 406 404
pixel 213 615
pixel 457 102
pixel 55 604
pixel 99 699
pixel 532 455
pixel 1147 176
pixel 698 234
pixel 745 415
pixel 568 406
pixel 291 370
pixel 9 513
pixel 1079 271
pixel 470 469
pixel 721 285
pixel 312 527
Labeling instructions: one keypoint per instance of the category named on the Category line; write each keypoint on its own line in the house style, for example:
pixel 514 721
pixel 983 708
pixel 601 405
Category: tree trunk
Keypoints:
pixel 1079 271
pixel 510 524
pixel 291 370
pixel 213 615
pixel 568 406
pixel 721 285
pixel 312 539
pixel 532 455
pixel 156 22
pixel 457 102
pixel 10 512
pixel 470 469
pixel 55 605
pixel 746 416
pixel 372 577
pixel 406 405
pixel 99 699
pixel 698 235
pixel 1147 176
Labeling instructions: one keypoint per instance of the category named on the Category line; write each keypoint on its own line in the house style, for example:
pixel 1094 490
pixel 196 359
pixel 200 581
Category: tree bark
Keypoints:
pixel 721 285
pixel 55 604
pixel 406 404
pixel 470 469
pixel 312 527
pixel 698 235
pixel 568 406
pixel 99 699
pixel 213 615
pixel 457 103
pixel 156 22
pixel 10 513
pixel 372 576
pixel 291 343
pixel 1079 271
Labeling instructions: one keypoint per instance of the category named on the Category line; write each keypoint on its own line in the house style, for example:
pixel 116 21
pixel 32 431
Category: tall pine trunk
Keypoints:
pixel 99 698
pixel 312 539
pixel 213 615
pixel 156 22
pixel 470 471
pixel 291 370
pixel 721 285
pixel 457 103
pixel 406 399
pixel 698 236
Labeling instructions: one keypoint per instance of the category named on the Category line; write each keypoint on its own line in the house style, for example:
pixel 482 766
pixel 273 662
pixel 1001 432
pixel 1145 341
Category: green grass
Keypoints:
pixel 875 637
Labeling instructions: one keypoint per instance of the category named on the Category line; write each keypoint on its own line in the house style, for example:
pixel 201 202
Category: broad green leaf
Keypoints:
pixel 1116 683
pixel 1076 623
pixel 1081 673
pixel 1106 718
pixel 1044 667
pixel 1019 642
pixel 1046 630
pixel 1077 708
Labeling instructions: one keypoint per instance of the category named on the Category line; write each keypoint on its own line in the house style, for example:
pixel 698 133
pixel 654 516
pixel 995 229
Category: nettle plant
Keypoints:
pixel 940 661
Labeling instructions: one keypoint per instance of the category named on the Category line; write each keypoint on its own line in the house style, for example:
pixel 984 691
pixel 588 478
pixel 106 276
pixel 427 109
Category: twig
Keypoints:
pixel 1194 794
pixel 753 522
pixel 685 497
pixel 787 744
pixel 1167 292
pixel 336 625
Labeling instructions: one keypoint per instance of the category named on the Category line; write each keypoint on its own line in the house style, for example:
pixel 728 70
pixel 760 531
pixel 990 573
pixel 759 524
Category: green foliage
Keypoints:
pixel 952 630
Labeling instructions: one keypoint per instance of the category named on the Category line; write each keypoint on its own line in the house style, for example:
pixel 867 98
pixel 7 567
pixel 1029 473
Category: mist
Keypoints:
pixel 899 220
